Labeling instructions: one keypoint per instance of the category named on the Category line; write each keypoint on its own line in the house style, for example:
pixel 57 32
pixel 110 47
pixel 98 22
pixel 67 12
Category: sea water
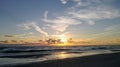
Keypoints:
pixel 12 55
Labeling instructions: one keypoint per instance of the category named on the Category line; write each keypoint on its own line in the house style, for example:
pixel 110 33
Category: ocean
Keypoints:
pixel 13 55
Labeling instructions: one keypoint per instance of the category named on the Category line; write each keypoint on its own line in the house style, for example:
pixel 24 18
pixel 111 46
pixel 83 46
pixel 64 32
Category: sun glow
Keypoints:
pixel 63 39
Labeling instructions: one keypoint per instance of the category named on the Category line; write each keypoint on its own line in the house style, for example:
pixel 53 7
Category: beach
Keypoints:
pixel 100 60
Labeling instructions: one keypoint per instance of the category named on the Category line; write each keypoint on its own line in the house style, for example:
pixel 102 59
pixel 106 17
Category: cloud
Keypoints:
pixel 34 26
pixel 95 13
pixel 87 11
pixel 86 2
pixel 45 14
pixel 15 41
pixel 113 28
pixel 64 1
pixel 9 36
pixel 60 23
pixel 91 11
pixel 90 22
pixel 107 34
pixel 81 11
pixel 5 41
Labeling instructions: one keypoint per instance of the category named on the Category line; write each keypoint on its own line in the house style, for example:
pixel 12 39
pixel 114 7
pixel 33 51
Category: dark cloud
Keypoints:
pixel 5 41
pixel 8 35
pixel 14 41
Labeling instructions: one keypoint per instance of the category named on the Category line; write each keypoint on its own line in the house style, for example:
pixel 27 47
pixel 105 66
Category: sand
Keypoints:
pixel 103 60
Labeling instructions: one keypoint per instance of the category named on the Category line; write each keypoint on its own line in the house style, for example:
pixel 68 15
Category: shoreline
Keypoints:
pixel 101 60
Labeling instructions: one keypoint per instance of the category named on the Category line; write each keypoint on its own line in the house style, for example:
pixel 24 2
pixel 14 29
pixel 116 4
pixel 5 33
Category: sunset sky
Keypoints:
pixel 95 21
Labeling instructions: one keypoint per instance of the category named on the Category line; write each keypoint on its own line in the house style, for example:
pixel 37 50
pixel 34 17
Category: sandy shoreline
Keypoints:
pixel 103 60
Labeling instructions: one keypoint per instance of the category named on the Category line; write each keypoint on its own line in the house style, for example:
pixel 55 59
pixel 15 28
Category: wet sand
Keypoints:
pixel 103 60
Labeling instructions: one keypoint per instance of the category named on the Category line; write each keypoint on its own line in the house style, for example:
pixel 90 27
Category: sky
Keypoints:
pixel 94 21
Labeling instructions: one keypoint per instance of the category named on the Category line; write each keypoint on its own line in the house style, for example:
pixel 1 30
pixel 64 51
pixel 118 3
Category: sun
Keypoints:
pixel 63 40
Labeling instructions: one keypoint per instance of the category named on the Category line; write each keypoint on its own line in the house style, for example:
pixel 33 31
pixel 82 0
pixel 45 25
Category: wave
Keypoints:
pixel 39 51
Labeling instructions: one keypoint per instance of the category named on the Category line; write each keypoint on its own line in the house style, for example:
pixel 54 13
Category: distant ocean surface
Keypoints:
pixel 11 55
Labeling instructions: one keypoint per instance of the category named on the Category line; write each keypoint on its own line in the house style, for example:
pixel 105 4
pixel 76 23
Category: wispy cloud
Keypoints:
pixel 107 34
pixel 86 2
pixel 82 11
pixel 64 1
pixel 45 15
pixel 34 26
pixel 91 11
pixel 94 14
pixel 113 28
pixel 60 23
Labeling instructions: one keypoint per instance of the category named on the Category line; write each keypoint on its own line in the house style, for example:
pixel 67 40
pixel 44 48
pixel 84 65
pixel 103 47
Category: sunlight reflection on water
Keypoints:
pixel 64 55
pixel 55 56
